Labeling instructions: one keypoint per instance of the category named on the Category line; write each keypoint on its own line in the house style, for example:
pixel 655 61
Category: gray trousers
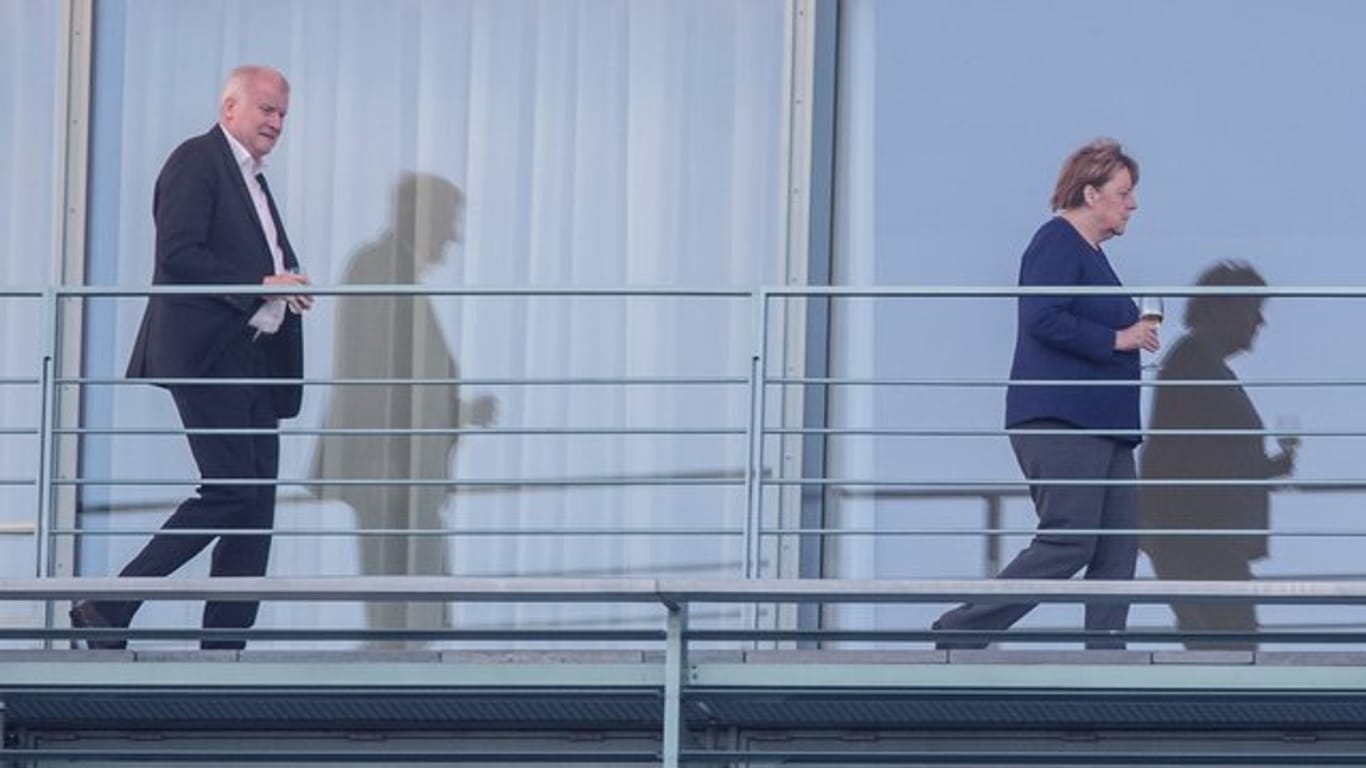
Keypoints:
pixel 1055 554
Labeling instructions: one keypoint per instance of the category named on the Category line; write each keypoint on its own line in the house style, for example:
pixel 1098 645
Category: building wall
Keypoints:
pixel 642 144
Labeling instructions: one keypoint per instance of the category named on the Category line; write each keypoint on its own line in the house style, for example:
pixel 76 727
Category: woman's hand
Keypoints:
pixel 1141 335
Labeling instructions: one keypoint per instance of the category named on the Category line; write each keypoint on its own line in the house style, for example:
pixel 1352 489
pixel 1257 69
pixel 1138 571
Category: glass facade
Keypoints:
pixel 955 117
pixel 456 146
pixel 32 34
pixel 467 147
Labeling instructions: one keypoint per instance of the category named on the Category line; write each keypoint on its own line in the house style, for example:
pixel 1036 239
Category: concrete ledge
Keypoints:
pixel 1310 658
pixel 1035 658
pixel 834 657
pixel 804 656
pixel 1204 657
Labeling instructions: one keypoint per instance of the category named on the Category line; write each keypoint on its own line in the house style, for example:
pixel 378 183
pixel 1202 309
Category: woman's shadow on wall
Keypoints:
pixel 1218 327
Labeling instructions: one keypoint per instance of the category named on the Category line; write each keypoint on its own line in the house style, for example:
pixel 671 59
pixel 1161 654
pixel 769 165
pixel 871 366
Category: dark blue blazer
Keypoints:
pixel 207 232
pixel 1072 338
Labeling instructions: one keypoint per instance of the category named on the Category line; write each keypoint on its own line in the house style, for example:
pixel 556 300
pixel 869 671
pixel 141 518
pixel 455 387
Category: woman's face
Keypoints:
pixel 1111 204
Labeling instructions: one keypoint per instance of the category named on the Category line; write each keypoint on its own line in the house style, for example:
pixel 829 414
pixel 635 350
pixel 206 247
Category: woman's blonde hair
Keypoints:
pixel 1092 165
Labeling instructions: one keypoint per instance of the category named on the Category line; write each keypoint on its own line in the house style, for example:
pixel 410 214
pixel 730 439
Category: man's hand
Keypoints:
pixel 298 304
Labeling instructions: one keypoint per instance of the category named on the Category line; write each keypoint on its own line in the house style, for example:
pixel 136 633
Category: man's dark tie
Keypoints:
pixel 270 204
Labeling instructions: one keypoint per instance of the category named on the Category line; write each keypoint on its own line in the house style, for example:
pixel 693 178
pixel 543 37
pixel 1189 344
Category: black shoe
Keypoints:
pixel 84 615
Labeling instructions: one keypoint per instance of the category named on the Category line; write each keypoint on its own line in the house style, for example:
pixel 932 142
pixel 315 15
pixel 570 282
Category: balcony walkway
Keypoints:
pixel 657 696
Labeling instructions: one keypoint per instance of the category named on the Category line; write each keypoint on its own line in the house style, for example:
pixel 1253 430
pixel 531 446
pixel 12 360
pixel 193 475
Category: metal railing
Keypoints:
pixel 767 483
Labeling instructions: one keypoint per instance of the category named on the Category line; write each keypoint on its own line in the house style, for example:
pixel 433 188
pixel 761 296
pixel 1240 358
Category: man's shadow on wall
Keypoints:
pixel 398 337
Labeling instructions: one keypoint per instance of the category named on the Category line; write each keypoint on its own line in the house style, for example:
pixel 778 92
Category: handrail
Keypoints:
pixel 671 591
pixel 760 483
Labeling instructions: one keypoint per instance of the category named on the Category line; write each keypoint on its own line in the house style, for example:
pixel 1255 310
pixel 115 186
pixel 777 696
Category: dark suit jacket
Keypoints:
pixel 207 232
pixel 1072 338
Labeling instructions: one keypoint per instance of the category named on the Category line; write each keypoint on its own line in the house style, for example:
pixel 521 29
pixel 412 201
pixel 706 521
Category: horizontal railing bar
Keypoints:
pixel 393 289
pixel 714 381
pixel 713 431
pixel 999 432
pixel 333 633
pixel 409 588
pixel 1020 491
pixel 415 431
pixel 687 480
pixel 953 291
pixel 654 531
pixel 765 292
pixel 464 532
pixel 394 381
pixel 1175 533
pixel 996 383
pixel 415 482
pixel 675 590
pixel 1027 635
pixel 87 533
pixel 837 431
pixel 1006 590
pixel 1164 482
pixel 1315 635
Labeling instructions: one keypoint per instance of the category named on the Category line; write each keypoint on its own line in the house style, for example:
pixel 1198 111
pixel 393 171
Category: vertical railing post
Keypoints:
pixel 754 465
pixel 993 540
pixel 47 445
pixel 675 668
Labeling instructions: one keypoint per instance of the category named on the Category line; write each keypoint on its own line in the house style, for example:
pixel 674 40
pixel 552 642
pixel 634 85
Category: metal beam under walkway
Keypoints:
pixel 738 707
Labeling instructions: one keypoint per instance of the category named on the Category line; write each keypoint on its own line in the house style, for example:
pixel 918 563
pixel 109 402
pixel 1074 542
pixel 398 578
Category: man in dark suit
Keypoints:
pixel 216 223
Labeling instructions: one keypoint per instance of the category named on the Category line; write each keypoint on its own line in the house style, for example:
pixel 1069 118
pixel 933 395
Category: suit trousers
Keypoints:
pixel 1055 553
pixel 220 505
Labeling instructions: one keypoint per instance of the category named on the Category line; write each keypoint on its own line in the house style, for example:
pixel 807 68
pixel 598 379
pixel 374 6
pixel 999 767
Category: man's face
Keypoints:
pixel 257 116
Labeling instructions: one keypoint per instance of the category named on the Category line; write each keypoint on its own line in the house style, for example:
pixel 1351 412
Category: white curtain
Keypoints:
pixel 30 169
pixel 597 143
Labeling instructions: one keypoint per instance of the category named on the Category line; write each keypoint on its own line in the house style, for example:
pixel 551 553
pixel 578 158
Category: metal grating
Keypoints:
pixel 265 709
pixel 1012 709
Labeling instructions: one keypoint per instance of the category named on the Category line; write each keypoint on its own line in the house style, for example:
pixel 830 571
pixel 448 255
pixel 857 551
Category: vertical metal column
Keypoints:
pixel 822 61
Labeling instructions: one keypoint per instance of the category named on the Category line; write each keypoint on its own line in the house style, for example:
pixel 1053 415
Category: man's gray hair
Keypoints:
pixel 235 87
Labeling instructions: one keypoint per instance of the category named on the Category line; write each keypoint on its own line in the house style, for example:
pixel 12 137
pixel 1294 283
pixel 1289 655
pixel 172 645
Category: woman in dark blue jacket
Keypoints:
pixel 1082 431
